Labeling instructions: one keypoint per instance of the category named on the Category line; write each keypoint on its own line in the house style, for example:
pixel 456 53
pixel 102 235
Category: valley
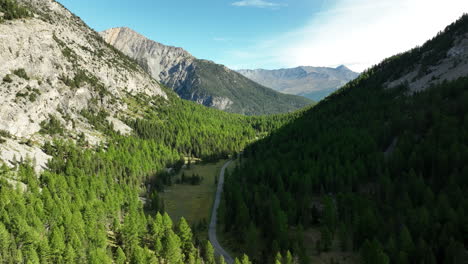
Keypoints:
pixel 115 148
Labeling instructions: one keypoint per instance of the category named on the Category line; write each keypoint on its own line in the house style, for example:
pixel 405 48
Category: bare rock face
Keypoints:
pixel 164 63
pixel 54 65
pixel 453 66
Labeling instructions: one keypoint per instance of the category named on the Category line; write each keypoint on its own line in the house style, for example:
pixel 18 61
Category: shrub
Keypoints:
pixel 51 126
pixel 32 97
pixel 21 73
pixel 4 133
pixel 12 10
pixel 7 79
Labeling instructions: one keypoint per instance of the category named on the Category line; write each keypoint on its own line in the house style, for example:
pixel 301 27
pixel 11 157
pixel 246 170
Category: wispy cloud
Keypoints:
pixel 356 33
pixel 220 39
pixel 258 3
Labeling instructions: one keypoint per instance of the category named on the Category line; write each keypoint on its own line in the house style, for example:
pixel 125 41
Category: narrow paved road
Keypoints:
pixel 214 217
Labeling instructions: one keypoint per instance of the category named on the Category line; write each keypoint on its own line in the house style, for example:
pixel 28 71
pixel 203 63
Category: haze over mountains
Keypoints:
pixel 312 82
pixel 201 81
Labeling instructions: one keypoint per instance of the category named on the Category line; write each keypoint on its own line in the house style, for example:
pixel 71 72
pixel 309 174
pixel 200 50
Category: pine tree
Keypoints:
pixel 120 257
pixel 172 252
pixel 185 234
pixel 158 247
pixel 70 254
pixel 4 242
pixel 221 260
pixel 406 241
pixel 209 253
pixel 372 253
pixel 157 229
pixel 278 258
pixel 57 243
pixel 289 258
pixel 166 223
pixel 245 260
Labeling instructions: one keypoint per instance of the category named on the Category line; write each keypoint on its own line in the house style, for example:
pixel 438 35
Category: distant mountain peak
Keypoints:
pixel 342 67
pixel 308 81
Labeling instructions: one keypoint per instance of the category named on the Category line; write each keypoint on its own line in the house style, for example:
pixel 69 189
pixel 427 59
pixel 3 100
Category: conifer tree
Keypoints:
pixel 278 258
pixel 289 258
pixel 185 234
pixel 166 223
pixel 245 259
pixel 172 251
pixel 221 260
pixel 120 256
pixel 209 253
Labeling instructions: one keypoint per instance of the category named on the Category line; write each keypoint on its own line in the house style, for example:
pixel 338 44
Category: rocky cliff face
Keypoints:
pixel 170 65
pixel 201 81
pixel 312 82
pixel 53 65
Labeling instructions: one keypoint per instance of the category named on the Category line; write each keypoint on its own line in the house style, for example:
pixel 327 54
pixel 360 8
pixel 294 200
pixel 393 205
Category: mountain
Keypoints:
pixel 61 71
pixel 88 140
pixel 201 81
pixel 311 82
pixel 374 173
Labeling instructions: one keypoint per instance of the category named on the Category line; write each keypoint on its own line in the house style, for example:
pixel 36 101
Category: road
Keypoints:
pixel 214 217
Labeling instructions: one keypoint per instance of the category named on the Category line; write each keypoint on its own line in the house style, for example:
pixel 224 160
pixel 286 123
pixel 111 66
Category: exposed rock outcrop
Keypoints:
pixel 201 81
pixel 54 65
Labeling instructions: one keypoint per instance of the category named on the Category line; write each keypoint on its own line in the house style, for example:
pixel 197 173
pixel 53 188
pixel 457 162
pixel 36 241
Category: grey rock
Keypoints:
pixel 53 48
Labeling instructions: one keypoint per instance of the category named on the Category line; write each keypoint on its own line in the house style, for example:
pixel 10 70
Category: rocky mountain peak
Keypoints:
pixel 157 59
pixel 202 81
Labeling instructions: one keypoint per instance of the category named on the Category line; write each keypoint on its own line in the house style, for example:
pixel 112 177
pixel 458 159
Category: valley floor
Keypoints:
pixel 193 202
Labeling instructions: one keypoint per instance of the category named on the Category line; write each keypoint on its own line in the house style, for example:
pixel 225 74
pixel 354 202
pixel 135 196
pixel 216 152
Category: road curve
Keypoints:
pixel 214 217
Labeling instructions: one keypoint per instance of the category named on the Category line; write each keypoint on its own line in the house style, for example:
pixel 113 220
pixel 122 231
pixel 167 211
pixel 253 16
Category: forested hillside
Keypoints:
pixel 85 207
pixel 96 201
pixel 383 170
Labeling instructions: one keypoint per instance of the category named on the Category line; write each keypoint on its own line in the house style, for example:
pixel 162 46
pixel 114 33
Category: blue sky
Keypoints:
pixel 278 33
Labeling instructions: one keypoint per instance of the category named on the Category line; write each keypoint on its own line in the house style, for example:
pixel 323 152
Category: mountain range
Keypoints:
pixel 202 81
pixel 93 130
pixel 312 82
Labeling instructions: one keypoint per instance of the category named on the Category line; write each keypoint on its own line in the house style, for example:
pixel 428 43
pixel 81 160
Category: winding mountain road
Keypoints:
pixel 214 217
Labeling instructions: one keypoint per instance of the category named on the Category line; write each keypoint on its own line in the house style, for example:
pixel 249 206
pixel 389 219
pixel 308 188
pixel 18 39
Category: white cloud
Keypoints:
pixel 358 33
pixel 257 3
pixel 220 39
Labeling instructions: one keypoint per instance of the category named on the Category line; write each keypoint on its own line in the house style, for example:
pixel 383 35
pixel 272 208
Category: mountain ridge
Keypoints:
pixel 308 81
pixel 199 80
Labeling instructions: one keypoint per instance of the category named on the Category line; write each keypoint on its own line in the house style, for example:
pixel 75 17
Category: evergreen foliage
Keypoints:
pixel 86 207
pixel 52 126
pixel 11 10
pixel 401 204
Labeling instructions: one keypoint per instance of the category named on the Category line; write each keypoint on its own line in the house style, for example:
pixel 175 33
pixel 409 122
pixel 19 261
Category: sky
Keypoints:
pixel 272 34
